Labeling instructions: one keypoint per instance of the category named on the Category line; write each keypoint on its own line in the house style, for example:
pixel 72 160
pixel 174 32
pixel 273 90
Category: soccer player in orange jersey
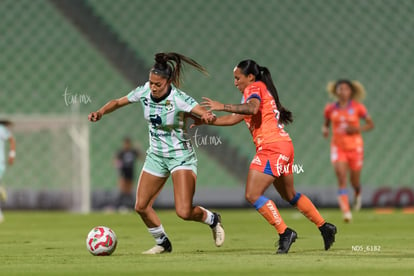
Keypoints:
pixel 265 117
pixel 347 150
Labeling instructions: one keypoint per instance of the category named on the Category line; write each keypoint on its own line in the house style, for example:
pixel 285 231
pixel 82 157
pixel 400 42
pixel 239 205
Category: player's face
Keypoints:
pixel 158 85
pixel 344 92
pixel 241 81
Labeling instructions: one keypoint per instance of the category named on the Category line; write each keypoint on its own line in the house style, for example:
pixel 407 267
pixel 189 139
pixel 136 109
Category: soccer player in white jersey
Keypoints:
pixel 170 151
pixel 5 135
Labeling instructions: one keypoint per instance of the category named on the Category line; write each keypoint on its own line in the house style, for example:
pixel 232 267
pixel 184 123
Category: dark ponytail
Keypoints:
pixel 169 66
pixel 263 74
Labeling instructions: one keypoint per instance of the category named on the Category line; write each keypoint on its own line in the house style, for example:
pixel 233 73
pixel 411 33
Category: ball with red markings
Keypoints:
pixel 101 241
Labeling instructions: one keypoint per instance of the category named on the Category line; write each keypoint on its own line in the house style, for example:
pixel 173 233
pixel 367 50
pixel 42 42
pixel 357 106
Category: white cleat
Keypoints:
pixel 158 249
pixel 347 217
pixel 358 203
pixel 165 247
pixel 218 232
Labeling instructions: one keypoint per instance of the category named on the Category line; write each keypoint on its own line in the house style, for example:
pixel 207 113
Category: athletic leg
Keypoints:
pixel 355 182
pixel 284 185
pixel 341 170
pixel 184 181
pixel 149 186
pixel 257 183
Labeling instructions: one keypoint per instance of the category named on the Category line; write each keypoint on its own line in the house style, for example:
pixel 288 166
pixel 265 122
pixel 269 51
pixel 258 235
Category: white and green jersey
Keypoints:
pixel 166 120
pixel 4 136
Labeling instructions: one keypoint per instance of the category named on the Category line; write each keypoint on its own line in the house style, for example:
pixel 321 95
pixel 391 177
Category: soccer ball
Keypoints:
pixel 101 241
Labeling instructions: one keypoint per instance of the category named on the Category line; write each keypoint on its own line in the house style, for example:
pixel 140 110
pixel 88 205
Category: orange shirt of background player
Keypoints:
pixel 341 118
pixel 264 126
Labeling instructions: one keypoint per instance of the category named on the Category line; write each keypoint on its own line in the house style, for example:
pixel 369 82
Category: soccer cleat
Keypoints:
pixel 218 230
pixel 164 247
pixel 328 232
pixel 3 194
pixel 358 202
pixel 285 241
pixel 347 216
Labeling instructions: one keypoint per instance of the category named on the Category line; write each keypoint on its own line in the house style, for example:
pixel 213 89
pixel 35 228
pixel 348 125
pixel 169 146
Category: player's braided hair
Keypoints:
pixel 263 74
pixel 169 66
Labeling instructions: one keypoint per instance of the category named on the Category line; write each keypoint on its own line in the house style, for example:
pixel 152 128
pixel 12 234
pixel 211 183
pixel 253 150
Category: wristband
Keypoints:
pixel 12 153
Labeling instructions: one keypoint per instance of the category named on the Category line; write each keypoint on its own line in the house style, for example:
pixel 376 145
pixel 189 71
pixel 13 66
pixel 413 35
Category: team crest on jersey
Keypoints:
pixel 168 105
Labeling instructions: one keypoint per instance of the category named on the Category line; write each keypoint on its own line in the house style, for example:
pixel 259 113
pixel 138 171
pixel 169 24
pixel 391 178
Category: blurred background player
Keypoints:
pixel 125 161
pixel 265 117
pixel 347 151
pixel 170 151
pixel 5 135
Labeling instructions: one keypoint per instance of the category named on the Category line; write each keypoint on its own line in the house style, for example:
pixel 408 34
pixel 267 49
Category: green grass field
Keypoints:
pixel 53 243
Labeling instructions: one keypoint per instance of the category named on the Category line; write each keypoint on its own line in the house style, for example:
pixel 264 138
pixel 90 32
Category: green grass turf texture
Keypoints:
pixel 53 243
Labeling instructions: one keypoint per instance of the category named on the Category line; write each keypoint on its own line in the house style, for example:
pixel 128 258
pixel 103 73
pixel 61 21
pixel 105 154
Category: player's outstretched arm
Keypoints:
pixel 251 107
pixel 325 128
pixel 108 108
pixel 227 120
pixel 12 152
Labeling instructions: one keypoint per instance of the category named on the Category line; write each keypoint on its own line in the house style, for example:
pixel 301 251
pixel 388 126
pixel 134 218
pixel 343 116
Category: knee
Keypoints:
pixel 293 198
pixel 141 209
pixel 251 197
pixel 289 196
pixel 184 213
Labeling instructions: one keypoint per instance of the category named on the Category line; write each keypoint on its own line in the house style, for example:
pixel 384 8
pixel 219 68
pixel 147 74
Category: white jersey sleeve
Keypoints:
pixel 135 95
pixel 185 102
pixel 5 134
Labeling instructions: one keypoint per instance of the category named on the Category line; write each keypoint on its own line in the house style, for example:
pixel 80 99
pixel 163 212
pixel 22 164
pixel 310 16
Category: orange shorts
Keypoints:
pixel 274 159
pixel 354 158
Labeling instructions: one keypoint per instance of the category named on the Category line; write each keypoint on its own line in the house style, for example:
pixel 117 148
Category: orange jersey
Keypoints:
pixel 341 118
pixel 264 126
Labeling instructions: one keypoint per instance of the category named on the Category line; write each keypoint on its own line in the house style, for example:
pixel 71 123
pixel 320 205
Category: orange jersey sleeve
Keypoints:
pixel 264 126
pixel 340 119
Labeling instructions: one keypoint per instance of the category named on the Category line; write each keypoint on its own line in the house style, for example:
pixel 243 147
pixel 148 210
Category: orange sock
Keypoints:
pixel 267 208
pixel 306 207
pixel 343 200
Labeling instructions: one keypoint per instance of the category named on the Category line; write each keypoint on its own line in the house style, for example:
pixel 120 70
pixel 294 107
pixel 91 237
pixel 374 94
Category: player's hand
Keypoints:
pixel 208 118
pixel 94 116
pixel 197 122
pixel 211 105
pixel 325 131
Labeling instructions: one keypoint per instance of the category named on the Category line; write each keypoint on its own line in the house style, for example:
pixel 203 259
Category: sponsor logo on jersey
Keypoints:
pixel 145 101
pixel 155 120
pixel 257 161
pixel 160 134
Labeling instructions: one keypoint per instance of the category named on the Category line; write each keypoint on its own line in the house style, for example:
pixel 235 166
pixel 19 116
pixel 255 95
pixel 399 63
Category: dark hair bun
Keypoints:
pixel 161 58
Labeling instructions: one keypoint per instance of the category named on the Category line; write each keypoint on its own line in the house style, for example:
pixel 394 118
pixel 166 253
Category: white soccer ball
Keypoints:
pixel 101 241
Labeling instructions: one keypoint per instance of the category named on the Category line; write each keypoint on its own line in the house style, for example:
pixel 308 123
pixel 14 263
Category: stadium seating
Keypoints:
pixel 305 44
pixel 44 58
